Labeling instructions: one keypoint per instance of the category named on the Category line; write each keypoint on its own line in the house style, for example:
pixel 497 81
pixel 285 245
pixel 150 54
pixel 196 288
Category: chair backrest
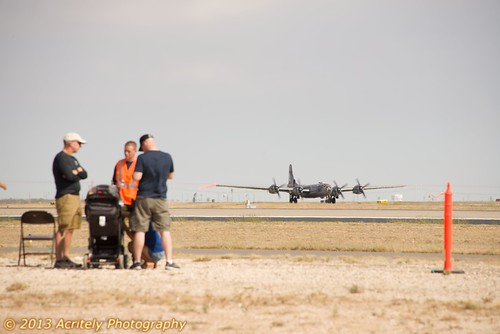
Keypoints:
pixel 37 217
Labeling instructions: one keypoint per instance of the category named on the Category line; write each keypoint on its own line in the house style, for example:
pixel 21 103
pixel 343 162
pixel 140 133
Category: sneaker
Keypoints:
pixel 171 266
pixel 72 265
pixel 61 264
pixel 136 266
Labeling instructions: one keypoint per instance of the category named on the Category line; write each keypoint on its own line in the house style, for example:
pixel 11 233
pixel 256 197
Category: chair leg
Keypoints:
pixel 19 258
pixel 24 254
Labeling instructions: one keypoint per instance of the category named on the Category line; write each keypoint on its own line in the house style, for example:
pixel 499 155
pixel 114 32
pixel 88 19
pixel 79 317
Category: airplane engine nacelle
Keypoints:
pixel 297 191
pixel 273 189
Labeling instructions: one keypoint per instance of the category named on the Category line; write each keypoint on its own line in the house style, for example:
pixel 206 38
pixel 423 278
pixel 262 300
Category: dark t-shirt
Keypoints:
pixel 155 167
pixel 66 181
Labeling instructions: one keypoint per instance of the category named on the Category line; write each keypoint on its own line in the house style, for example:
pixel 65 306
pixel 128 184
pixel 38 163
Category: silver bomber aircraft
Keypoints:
pixel 330 193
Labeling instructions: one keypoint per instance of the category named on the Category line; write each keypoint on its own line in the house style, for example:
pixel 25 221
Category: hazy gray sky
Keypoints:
pixel 390 92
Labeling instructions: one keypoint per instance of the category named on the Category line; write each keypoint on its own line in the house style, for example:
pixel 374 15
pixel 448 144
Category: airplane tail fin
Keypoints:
pixel 291 179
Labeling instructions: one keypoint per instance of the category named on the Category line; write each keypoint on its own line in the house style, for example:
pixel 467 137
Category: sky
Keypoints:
pixel 389 92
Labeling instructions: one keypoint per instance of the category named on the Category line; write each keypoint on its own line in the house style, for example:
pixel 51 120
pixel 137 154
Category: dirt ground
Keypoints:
pixel 258 295
pixel 343 292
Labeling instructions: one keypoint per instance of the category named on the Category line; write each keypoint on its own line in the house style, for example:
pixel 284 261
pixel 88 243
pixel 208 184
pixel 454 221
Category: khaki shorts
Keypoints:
pixel 150 209
pixel 69 212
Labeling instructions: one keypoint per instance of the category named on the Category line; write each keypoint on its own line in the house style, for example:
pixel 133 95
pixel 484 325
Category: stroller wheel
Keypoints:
pixel 86 262
pixel 120 262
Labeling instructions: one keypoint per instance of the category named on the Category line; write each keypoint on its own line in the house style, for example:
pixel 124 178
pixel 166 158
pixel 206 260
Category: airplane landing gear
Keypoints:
pixel 330 200
pixel 293 199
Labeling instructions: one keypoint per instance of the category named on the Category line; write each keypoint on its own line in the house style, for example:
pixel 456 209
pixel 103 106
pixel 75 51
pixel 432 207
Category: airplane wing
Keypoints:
pixel 344 189
pixel 271 189
pixel 241 187
pixel 382 187
pixel 282 189
pixel 211 185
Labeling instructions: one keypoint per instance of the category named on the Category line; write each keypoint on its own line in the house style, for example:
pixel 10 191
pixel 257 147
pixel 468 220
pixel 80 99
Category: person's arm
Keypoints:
pixel 81 173
pixel 137 176
pixel 113 180
pixel 171 172
pixel 68 172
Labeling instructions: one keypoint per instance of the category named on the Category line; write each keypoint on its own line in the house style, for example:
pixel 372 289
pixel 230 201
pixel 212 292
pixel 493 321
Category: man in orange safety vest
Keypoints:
pixel 122 176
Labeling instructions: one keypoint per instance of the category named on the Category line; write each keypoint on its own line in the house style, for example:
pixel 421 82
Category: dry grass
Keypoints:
pixel 331 236
pixel 369 237
pixel 16 286
pixel 185 301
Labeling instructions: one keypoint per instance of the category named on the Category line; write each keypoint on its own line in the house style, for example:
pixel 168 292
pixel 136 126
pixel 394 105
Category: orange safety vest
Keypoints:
pixel 124 175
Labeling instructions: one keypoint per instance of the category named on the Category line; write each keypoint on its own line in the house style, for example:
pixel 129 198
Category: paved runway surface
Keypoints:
pixel 331 213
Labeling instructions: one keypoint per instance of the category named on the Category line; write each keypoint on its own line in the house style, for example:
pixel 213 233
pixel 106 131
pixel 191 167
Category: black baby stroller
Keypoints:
pixel 103 211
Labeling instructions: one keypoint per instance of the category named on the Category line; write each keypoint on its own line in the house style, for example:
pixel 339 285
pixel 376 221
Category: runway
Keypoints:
pixel 309 214
pixel 318 215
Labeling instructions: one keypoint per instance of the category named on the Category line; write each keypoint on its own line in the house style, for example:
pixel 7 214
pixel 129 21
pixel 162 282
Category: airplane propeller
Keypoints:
pixel 298 189
pixel 359 189
pixel 336 190
pixel 274 189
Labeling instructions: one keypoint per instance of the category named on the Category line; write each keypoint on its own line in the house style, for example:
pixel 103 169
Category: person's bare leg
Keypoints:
pixel 68 238
pixel 139 238
pixel 166 242
pixel 59 246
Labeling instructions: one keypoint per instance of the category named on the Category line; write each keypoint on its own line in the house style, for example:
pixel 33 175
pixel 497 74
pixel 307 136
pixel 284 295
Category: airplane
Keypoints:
pixel 318 190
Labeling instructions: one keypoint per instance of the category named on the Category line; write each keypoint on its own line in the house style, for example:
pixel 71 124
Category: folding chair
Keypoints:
pixel 29 234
